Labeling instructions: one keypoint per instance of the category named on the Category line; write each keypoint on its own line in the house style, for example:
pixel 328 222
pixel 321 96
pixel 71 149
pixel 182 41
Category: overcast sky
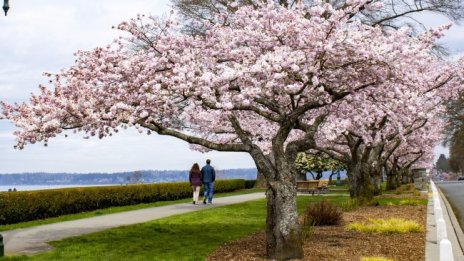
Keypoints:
pixel 42 35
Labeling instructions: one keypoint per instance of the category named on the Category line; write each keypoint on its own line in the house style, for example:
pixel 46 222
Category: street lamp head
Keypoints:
pixel 6 6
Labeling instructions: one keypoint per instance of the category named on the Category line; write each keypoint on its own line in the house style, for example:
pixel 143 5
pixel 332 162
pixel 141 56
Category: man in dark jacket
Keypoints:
pixel 208 176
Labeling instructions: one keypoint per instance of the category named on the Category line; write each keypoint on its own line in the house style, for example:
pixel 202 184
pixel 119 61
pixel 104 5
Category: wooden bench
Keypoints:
pixel 312 186
pixel 307 186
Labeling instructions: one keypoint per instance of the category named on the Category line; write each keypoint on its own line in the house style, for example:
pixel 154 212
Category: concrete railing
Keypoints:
pixel 445 248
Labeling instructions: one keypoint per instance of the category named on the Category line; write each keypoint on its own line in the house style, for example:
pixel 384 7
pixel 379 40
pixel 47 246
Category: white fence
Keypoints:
pixel 445 248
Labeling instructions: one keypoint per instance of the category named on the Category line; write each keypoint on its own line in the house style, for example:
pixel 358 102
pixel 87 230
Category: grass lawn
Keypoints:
pixel 114 210
pixel 189 236
pixel 344 186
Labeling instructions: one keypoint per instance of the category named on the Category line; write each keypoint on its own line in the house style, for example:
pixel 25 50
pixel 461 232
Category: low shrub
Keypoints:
pixel 376 258
pixel 350 205
pixel 250 183
pixel 367 201
pixel 32 205
pixel 322 213
pixel 409 187
pixel 406 188
pixel 357 202
pixel 389 226
pixel 410 202
pixel 307 228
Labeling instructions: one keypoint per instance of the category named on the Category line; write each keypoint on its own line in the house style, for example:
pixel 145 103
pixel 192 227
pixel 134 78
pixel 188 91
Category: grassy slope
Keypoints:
pixel 189 236
pixel 113 210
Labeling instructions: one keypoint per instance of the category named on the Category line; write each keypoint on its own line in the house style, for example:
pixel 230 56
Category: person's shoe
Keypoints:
pixel 204 201
pixel 210 202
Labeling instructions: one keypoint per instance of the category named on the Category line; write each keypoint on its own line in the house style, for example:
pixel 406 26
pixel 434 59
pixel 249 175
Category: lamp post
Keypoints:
pixel 6 6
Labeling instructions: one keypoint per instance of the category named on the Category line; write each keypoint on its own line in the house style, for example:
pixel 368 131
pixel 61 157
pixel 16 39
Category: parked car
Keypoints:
pixel 461 178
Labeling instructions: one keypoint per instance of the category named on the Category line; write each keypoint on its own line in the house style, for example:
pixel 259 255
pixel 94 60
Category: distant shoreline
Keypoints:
pixel 114 173
pixel 38 181
pixel 5 188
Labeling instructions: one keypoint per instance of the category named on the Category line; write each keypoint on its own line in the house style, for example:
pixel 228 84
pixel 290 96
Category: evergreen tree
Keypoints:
pixel 442 163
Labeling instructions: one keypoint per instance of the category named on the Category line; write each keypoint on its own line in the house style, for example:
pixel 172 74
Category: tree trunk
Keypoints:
pixel 391 182
pixel 410 175
pixel 360 181
pixel 405 176
pixel 399 177
pixel 375 169
pixel 283 232
pixel 331 175
pixel 376 177
pixel 377 182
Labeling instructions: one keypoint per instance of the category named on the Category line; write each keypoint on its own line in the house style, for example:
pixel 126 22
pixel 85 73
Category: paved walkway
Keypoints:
pixel 28 241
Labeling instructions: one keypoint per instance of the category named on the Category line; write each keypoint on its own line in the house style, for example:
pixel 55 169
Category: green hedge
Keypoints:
pixel 250 183
pixel 32 205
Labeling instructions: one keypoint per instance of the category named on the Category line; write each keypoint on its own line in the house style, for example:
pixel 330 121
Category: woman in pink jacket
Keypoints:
pixel 195 181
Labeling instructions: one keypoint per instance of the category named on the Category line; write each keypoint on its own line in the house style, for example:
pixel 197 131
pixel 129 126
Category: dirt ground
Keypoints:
pixel 336 243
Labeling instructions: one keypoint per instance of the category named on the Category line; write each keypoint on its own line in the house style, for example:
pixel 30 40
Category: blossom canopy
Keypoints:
pixel 242 81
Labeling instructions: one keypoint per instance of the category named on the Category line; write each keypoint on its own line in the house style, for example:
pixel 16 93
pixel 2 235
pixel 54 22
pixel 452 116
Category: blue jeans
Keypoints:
pixel 208 187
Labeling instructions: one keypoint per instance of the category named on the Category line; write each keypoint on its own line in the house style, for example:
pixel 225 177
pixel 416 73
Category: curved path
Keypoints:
pixel 34 240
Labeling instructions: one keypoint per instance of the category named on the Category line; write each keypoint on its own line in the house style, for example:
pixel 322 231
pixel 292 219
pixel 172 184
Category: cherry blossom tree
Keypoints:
pixel 261 84
pixel 316 163
pixel 415 151
pixel 367 145
pixel 365 132
pixel 393 14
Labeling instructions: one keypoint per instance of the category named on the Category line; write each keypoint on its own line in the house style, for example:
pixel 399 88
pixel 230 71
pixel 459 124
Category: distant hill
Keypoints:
pixel 142 176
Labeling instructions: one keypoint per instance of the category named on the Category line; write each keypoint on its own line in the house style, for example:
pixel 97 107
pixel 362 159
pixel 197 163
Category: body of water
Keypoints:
pixel 41 187
pixel 3 188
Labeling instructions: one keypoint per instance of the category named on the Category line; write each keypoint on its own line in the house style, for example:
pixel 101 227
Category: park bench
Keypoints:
pixel 312 186
pixel 307 186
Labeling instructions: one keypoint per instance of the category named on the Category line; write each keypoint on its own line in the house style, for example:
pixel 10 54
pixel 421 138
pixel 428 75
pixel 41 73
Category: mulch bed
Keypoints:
pixel 336 243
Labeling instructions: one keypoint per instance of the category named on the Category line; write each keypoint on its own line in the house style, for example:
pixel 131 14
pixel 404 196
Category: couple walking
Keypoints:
pixel 205 176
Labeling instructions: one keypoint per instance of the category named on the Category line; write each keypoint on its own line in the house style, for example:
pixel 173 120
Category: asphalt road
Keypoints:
pixel 454 192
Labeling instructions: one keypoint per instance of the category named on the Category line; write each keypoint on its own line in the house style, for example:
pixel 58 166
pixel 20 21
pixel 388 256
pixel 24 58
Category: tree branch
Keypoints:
pixel 195 140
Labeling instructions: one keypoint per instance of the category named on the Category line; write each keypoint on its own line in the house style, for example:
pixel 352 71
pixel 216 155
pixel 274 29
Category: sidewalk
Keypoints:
pixel 453 230
pixel 34 240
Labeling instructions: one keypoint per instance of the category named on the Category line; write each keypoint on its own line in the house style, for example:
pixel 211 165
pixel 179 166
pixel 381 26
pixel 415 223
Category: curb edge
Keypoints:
pixel 454 222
